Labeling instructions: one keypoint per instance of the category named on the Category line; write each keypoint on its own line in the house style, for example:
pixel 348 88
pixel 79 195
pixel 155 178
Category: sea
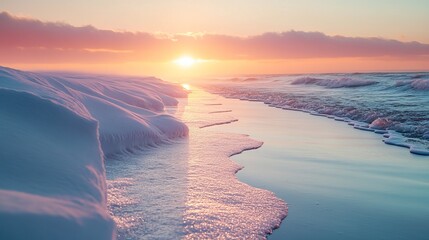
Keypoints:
pixel 329 174
pixel 393 104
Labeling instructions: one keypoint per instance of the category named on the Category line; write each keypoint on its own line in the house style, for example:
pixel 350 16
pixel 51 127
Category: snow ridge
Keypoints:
pixel 56 129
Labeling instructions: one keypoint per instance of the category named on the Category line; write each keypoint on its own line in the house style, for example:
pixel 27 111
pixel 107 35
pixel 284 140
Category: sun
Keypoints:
pixel 185 61
pixel 186 86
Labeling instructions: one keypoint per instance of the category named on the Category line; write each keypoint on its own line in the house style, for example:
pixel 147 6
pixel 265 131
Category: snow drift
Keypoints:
pixel 55 130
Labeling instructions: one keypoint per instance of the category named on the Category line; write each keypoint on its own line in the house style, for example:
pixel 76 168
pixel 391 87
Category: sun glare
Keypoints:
pixel 186 86
pixel 185 61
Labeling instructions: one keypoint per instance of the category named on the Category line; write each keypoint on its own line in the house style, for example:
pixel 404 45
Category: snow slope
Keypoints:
pixel 55 130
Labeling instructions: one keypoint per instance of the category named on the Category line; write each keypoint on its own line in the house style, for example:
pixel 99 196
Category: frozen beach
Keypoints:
pixel 248 119
pixel 87 156
pixel 338 182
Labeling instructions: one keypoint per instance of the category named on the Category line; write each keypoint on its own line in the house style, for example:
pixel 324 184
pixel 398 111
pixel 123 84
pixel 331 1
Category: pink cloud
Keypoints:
pixel 295 44
pixel 31 40
pixel 24 32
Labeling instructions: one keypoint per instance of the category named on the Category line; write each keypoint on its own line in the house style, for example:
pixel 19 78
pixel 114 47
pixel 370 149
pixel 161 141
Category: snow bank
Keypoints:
pixel 129 110
pixel 55 128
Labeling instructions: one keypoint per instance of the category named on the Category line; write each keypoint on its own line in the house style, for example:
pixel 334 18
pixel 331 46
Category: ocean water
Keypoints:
pixel 338 182
pixel 188 189
pixel 395 104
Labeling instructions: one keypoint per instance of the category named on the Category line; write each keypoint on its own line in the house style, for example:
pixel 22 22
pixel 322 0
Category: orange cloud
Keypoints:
pixel 25 40
pixel 295 44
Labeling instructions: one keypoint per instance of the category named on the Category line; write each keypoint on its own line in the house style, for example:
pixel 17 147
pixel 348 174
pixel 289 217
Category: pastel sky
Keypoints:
pixel 240 36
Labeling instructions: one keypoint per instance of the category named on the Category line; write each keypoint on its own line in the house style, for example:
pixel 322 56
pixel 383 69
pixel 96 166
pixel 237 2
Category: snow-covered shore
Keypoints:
pixel 56 129
pixel 189 189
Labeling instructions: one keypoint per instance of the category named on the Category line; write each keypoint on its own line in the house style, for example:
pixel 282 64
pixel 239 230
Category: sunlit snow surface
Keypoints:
pixel 376 102
pixel 188 189
pixel 55 130
pixel 58 130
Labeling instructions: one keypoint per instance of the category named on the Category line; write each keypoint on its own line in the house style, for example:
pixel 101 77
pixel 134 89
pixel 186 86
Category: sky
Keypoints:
pixel 230 37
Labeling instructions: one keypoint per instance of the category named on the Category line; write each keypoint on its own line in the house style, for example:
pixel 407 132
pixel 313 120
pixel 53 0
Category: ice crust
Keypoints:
pixel 56 129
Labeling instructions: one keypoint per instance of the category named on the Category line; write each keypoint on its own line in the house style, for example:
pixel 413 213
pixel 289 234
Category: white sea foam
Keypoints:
pixel 188 189
pixel 219 206
pixel 380 123
pixel 417 84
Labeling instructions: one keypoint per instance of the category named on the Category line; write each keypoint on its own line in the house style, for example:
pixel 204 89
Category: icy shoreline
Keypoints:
pixel 189 189
pixel 56 129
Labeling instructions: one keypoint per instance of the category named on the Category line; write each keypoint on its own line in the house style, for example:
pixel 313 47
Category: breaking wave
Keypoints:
pixel 334 83
pixel 417 84
pixel 375 101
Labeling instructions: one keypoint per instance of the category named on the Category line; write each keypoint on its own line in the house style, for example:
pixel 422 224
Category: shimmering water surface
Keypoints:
pixel 339 183
pixel 188 189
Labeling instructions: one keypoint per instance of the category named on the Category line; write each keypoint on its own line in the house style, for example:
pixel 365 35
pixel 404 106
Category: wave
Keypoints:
pixel 247 79
pixel 371 111
pixel 417 84
pixel 56 130
pixel 420 75
pixel 333 83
